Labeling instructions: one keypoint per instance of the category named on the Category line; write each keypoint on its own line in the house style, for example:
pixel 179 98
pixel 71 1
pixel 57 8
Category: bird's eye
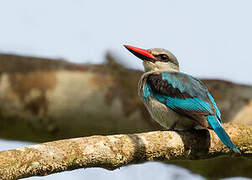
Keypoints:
pixel 164 57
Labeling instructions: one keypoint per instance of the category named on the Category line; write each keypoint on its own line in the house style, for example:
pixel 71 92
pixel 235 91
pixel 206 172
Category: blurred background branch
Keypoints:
pixel 44 100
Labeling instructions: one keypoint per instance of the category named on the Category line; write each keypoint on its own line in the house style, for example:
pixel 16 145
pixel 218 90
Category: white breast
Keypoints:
pixel 160 113
pixel 165 116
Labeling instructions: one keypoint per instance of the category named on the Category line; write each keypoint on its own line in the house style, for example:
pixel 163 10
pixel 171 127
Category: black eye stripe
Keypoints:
pixel 163 57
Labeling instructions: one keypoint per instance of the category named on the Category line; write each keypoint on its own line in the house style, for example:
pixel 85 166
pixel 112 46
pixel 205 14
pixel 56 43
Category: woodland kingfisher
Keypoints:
pixel 174 98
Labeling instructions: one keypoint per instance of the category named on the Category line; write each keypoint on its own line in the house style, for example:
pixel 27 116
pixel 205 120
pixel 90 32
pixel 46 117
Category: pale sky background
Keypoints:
pixel 211 39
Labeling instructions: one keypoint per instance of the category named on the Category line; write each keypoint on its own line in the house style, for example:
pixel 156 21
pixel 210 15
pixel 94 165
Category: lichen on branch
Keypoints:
pixel 111 152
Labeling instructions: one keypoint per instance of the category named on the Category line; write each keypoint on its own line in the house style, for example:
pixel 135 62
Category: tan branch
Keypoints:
pixel 111 152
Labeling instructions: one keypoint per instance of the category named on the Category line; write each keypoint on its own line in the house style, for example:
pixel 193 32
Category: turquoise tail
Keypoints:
pixel 221 133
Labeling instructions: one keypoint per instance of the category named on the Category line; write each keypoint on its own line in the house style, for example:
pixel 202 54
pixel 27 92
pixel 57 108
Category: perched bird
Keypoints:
pixel 174 98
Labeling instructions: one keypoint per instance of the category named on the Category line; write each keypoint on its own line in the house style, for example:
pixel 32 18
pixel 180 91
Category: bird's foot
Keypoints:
pixel 183 130
pixel 179 130
pixel 172 127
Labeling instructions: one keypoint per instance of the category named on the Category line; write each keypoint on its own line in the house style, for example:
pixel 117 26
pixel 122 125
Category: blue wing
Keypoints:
pixel 187 96
pixel 182 93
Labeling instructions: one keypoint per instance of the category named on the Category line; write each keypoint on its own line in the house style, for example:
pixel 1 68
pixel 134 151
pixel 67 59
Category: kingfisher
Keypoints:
pixel 175 99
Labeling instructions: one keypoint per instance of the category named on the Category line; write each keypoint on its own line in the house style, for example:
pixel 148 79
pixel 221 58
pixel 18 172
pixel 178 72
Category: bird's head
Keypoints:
pixel 155 59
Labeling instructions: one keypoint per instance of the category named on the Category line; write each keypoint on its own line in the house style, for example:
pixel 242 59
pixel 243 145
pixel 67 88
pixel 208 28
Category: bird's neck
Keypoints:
pixel 156 70
pixel 160 67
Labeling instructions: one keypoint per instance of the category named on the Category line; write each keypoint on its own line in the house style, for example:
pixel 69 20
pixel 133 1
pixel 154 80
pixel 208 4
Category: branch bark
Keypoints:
pixel 112 152
pixel 38 97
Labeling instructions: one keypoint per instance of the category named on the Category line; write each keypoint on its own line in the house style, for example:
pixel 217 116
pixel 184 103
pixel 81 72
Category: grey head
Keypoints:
pixel 156 59
pixel 164 59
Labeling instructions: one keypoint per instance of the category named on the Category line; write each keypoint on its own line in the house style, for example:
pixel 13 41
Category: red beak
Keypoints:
pixel 140 53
